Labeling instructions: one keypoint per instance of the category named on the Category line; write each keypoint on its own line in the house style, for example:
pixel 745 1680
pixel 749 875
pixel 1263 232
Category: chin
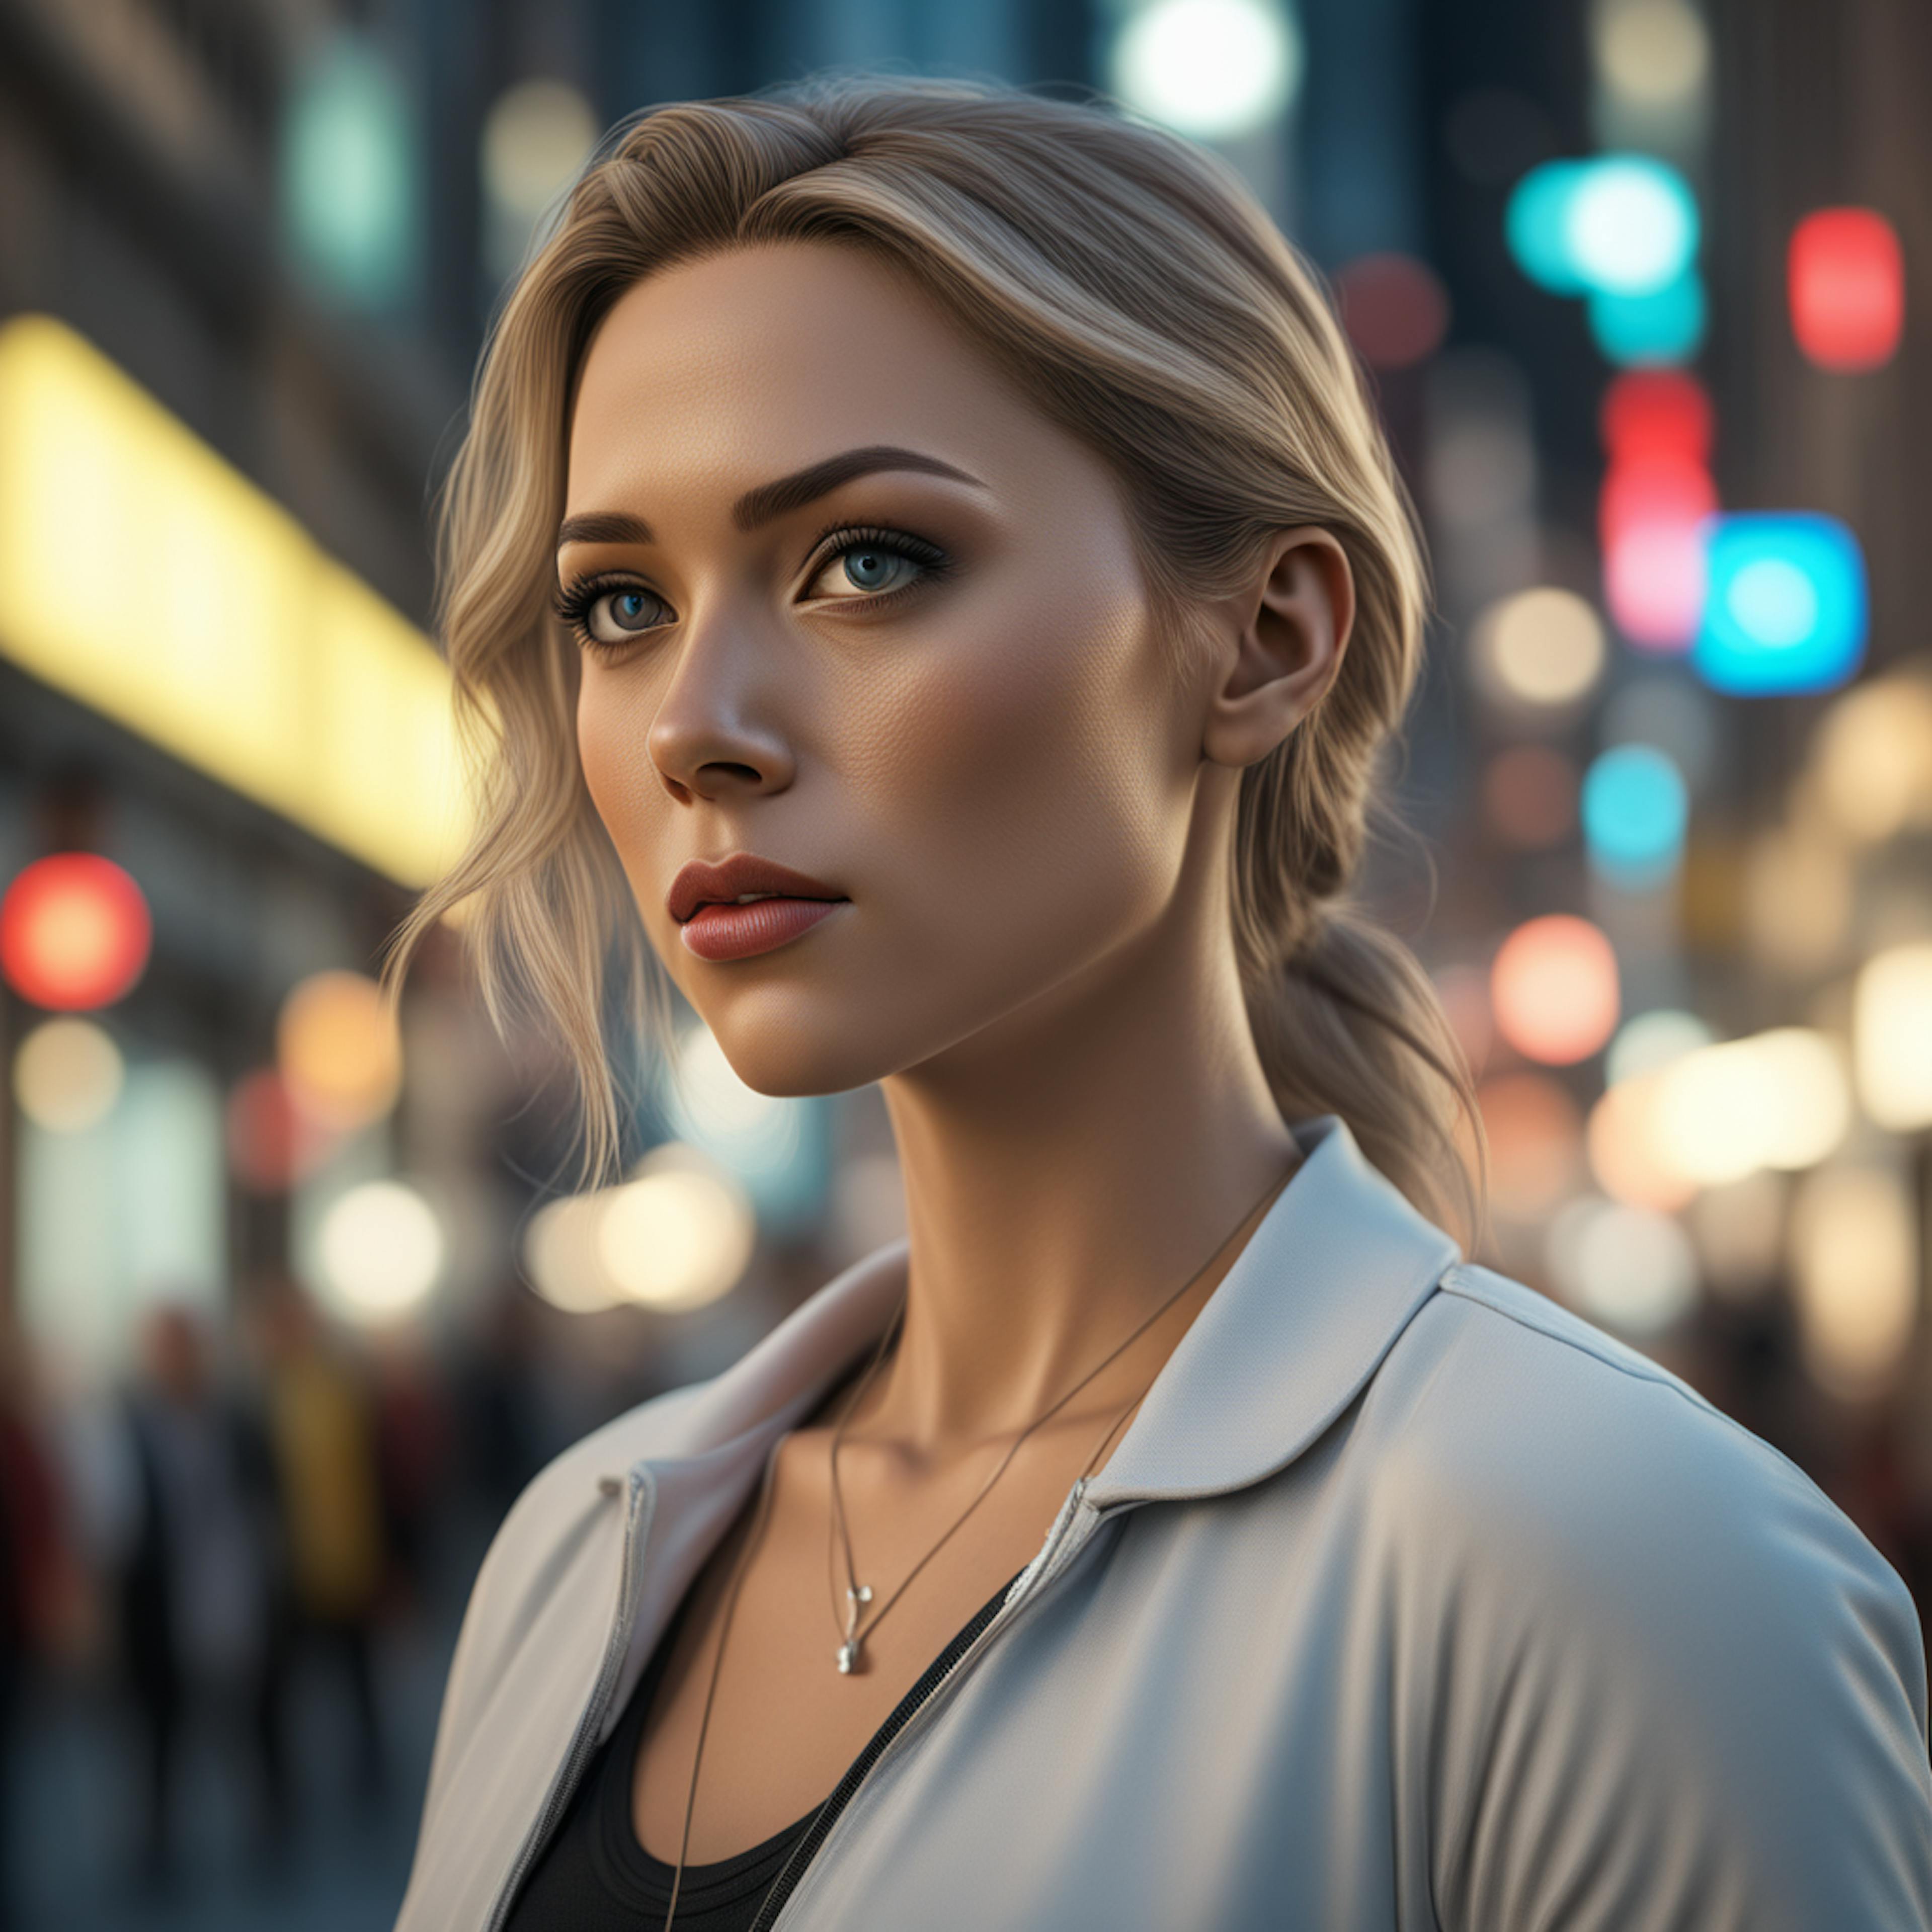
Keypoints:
pixel 788 1044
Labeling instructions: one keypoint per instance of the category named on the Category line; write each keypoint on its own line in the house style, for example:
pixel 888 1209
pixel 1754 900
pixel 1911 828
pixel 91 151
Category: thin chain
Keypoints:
pixel 738 1569
pixel 858 1389
pixel 837 1528
pixel 755 1535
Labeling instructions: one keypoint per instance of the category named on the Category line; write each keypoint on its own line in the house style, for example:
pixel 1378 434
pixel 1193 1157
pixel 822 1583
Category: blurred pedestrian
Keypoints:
pixel 413 1432
pixel 321 1423
pixel 39 1596
pixel 196 1576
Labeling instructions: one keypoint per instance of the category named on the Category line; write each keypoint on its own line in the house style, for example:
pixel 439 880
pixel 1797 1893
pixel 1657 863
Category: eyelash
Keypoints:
pixel 573 603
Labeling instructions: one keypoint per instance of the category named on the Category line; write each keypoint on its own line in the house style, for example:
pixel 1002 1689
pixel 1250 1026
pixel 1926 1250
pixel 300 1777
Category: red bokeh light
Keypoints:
pixel 1846 277
pixel 74 932
pixel 1651 492
pixel 1394 308
pixel 271 1143
pixel 1657 414
pixel 1648 517
pixel 1529 797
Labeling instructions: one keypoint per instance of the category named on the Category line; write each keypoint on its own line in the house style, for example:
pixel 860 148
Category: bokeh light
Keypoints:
pixel 1635 809
pixel 273 1142
pixel 1845 274
pixel 1213 68
pixel 1630 227
pixel 1554 989
pixel 1394 308
pixel 380 1250
pixel 1651 515
pixel 677 1236
pixel 1873 757
pixel 1529 796
pixel 1536 224
pixel 1786 608
pixel 536 136
pixel 67 1075
pixel 562 1258
pixel 1657 414
pixel 1655 53
pixel 1779 1099
pixel 1891 1033
pixel 348 172
pixel 1623 1142
pixel 337 1049
pixel 1652 1040
pixel 1540 647
pixel 1855 1269
pixel 74 932
pixel 1632 1268
pixel 1658 326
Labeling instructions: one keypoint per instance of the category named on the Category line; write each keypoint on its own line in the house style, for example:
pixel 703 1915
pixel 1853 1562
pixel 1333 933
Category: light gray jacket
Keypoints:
pixel 1408 1600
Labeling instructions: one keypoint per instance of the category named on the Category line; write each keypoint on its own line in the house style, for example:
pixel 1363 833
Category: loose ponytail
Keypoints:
pixel 1133 287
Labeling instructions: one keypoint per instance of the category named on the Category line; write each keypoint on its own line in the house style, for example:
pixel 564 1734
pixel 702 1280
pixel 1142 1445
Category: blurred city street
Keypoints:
pixel 297 1291
pixel 346 1875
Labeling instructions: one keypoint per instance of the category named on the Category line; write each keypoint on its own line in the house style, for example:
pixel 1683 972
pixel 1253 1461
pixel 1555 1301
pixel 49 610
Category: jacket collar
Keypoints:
pixel 1291 1334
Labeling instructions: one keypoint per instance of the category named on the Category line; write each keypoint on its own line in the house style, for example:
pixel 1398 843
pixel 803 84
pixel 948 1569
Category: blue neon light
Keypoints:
pixel 1664 327
pixel 1634 807
pixel 1786 608
pixel 1631 228
pixel 1536 225
pixel 1620 225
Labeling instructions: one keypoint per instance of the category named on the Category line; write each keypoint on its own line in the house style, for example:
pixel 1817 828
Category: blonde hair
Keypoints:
pixel 1135 290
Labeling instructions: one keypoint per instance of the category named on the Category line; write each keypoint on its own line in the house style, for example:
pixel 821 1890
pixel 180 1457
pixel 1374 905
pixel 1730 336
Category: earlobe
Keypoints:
pixel 1286 634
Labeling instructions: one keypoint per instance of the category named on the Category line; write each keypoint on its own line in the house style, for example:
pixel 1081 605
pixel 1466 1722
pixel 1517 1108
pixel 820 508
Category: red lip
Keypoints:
pixel 697 884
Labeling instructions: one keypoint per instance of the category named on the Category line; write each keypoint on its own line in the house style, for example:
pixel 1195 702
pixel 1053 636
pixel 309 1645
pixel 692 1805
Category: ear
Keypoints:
pixel 1282 644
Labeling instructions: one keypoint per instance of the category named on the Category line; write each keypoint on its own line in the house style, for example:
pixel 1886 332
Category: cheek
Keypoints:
pixel 1017 766
pixel 614 720
pixel 613 717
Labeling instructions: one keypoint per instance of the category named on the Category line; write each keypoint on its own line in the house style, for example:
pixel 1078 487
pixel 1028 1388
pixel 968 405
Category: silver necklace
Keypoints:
pixel 849 1655
pixel 854 1637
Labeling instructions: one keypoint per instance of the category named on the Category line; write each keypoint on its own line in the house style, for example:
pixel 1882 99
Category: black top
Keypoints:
pixel 593 1876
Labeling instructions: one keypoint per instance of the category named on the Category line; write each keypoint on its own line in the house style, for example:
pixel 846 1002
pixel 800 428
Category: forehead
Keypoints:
pixel 747 365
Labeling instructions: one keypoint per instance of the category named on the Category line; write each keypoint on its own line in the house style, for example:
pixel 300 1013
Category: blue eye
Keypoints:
pixel 610 618
pixel 874 570
pixel 871 563
pixel 630 609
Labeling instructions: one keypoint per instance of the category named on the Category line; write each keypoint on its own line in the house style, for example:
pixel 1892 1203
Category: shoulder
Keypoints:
pixel 1506 1416
pixel 1614 1587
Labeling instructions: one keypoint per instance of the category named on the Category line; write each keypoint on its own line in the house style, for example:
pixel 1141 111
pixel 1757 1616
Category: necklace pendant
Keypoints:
pixel 856 1598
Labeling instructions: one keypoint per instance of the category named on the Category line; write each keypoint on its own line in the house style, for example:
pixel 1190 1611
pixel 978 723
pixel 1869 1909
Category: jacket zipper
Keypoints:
pixel 640 1506
pixel 1060 1548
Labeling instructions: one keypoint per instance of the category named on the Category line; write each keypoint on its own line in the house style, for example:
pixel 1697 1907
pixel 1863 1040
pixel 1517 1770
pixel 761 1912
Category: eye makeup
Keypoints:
pixel 575 603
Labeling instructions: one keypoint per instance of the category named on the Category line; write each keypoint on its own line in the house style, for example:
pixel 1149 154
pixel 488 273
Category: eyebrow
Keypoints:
pixel 770 500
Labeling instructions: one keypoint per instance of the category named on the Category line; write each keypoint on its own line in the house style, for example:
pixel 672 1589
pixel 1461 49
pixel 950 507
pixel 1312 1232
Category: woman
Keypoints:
pixel 980 596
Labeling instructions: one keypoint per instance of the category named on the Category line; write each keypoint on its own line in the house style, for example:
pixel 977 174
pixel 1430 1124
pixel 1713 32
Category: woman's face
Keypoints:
pixel 847 602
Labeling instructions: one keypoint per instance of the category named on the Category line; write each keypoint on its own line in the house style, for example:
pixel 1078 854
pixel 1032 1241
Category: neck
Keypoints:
pixel 1066 1172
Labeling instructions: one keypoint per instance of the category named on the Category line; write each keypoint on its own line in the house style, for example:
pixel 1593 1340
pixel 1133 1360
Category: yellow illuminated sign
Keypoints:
pixel 142 573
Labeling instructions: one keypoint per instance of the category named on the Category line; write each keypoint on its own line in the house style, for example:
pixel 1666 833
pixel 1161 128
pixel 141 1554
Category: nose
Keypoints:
pixel 716 735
